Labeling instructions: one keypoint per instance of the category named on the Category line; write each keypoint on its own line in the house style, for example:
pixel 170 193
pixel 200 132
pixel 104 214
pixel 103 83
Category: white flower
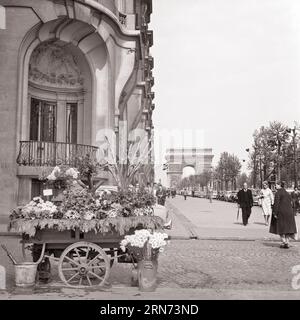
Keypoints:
pixel 112 213
pixel 89 215
pixel 72 173
pixel 51 177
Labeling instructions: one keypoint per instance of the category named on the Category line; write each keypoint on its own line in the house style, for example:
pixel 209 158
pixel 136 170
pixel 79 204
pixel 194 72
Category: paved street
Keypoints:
pixel 214 269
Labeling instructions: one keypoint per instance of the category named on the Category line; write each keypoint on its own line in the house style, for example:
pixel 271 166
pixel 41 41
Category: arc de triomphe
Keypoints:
pixel 198 158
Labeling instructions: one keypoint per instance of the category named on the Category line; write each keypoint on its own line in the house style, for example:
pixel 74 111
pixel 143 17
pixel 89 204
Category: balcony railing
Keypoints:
pixel 40 153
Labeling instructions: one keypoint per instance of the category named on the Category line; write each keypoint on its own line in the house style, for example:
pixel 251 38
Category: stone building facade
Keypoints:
pixel 70 69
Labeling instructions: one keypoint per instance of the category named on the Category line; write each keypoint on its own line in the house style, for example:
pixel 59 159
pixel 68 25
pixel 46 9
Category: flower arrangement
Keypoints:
pixel 60 177
pixel 63 172
pixel 84 210
pixel 37 208
pixel 79 203
pixel 138 242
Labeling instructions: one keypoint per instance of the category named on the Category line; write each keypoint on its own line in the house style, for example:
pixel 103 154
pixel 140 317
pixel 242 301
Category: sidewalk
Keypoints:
pixel 132 293
pixel 218 220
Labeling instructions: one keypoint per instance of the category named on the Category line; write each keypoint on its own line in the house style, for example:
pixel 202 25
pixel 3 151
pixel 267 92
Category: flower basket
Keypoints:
pixel 144 246
pixel 144 253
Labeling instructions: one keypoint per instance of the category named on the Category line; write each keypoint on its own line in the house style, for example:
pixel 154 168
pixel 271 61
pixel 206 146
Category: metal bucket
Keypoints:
pixel 25 274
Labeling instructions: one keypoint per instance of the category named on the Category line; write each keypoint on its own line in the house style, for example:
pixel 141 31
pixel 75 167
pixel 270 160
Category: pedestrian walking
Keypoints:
pixel 245 202
pixel 173 192
pixel 210 195
pixel 161 195
pixel 295 200
pixel 193 193
pixel 185 193
pixel 266 199
pixel 283 219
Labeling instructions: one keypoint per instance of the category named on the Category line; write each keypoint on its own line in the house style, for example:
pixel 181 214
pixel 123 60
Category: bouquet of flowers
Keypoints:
pixel 139 243
pixel 37 208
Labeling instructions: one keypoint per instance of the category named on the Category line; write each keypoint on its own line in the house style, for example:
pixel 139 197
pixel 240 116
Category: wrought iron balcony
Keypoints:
pixel 41 153
pixel 151 95
pixel 149 61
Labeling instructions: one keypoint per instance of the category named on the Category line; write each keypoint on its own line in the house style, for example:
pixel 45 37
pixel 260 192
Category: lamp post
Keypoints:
pixel 212 177
pixel 290 130
pixel 256 153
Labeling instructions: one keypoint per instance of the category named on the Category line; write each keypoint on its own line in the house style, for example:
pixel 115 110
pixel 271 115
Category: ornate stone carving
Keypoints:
pixel 51 64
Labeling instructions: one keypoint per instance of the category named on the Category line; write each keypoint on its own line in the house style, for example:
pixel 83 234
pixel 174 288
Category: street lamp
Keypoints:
pixel 260 166
pixel 212 177
pixel 290 130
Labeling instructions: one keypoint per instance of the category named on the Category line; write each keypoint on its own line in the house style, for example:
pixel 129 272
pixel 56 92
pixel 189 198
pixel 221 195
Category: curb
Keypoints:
pixel 188 225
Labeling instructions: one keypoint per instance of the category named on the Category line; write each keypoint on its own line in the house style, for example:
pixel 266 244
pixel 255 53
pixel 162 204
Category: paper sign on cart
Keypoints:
pixel 48 192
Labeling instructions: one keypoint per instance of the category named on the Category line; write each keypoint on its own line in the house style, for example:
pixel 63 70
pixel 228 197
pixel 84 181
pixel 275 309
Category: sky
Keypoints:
pixel 222 69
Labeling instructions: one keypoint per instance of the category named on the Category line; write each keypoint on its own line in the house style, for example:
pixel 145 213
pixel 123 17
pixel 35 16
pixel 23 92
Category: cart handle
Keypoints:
pixel 42 254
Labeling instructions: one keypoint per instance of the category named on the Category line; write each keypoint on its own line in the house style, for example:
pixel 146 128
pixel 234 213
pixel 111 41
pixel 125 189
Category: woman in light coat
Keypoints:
pixel 266 201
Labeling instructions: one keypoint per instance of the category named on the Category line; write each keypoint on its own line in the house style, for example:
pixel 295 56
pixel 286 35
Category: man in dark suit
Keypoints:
pixel 245 202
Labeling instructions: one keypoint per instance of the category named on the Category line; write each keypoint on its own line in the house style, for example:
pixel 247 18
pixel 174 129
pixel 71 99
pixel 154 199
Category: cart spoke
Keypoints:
pixel 96 275
pixel 94 259
pixel 69 269
pixel 88 279
pixel 80 281
pixel 78 254
pixel 75 275
pixel 101 266
pixel 72 261
pixel 87 253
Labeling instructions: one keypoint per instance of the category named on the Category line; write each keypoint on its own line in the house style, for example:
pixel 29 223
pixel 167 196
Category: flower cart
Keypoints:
pixel 85 230
pixel 85 250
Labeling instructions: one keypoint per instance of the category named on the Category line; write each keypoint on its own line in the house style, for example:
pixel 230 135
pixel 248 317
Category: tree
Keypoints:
pixel 241 179
pixel 194 181
pixel 228 169
pixel 270 152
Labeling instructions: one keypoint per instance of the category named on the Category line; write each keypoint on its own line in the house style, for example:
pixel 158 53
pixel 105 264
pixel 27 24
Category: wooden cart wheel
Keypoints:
pixel 84 264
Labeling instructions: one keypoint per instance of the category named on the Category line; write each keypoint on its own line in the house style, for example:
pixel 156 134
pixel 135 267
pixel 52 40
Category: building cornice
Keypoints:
pixel 98 6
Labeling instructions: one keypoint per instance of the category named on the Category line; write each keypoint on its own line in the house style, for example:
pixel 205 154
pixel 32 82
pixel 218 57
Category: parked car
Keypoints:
pixel 200 194
pixel 227 195
pixel 221 196
pixel 214 195
pixel 233 196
